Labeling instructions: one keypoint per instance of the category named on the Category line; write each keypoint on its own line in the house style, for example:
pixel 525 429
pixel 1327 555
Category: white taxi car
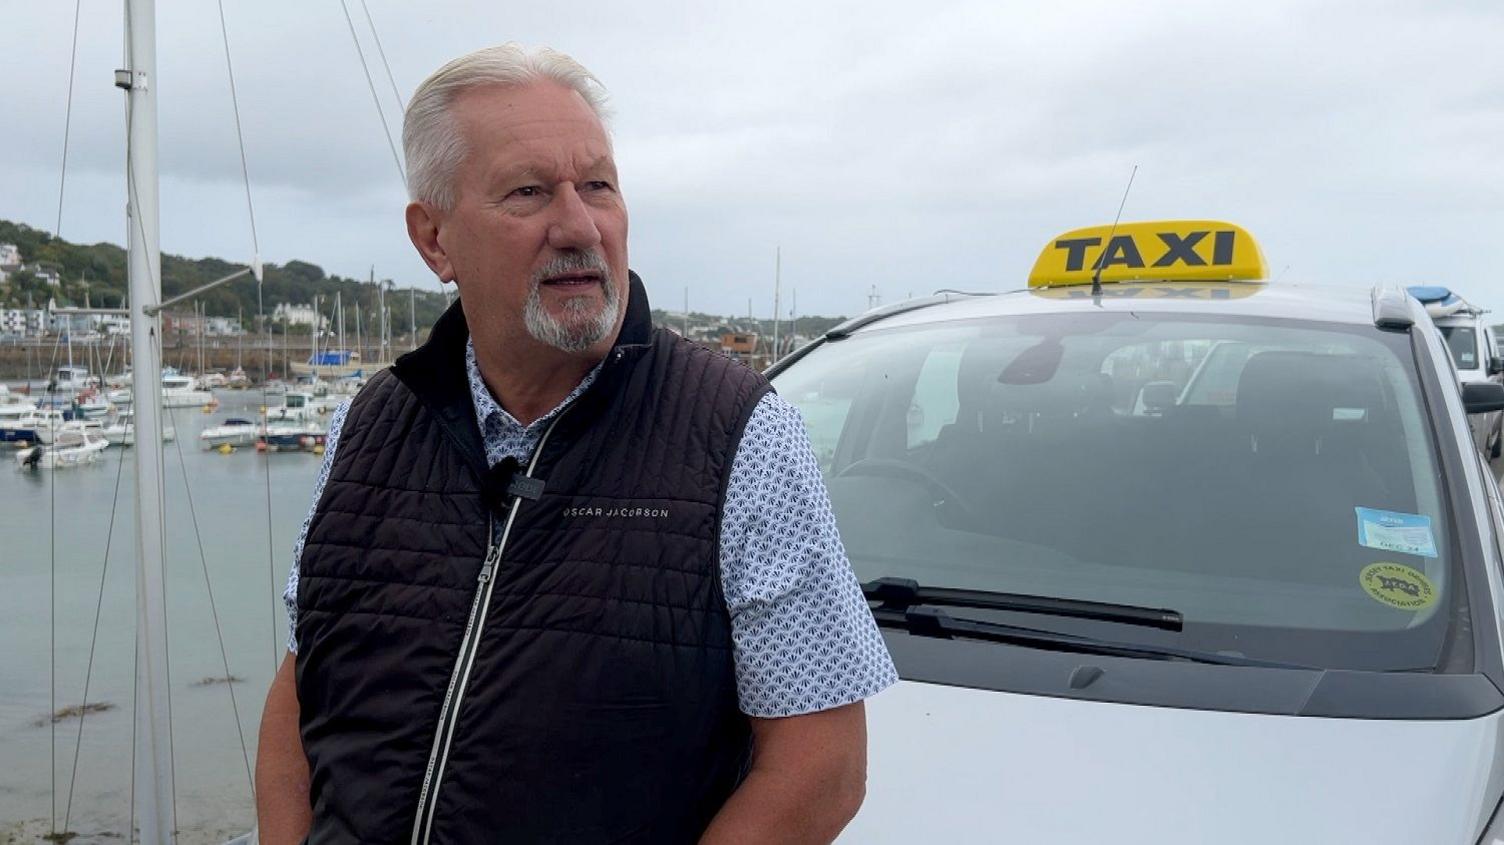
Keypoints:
pixel 1182 557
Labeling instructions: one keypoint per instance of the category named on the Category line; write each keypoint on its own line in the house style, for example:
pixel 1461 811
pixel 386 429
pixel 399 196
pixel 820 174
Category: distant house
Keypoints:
pixel 10 258
pixel 46 274
pixel 739 343
pixel 300 315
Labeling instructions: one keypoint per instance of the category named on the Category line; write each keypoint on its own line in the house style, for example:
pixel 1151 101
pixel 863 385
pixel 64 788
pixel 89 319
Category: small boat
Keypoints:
pixel 88 404
pixel 70 379
pixel 17 423
pixel 178 392
pixel 122 432
pixel 45 422
pixel 73 446
pixel 238 380
pixel 231 432
pixel 209 381
pixel 293 426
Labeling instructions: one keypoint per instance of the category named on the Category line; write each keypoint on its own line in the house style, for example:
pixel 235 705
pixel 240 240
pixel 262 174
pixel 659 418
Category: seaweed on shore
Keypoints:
pixel 74 711
pixel 209 682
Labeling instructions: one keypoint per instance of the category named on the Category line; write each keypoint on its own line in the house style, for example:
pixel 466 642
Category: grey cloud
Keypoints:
pixel 878 143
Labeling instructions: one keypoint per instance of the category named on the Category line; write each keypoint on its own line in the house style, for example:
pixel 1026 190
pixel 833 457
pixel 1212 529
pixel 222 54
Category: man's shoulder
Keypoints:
pixel 717 364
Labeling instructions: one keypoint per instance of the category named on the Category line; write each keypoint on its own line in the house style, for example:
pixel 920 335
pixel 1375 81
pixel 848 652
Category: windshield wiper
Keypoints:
pixel 904 593
pixel 933 622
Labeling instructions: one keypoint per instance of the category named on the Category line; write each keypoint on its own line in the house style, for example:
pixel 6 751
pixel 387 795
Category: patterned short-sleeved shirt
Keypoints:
pixel 803 636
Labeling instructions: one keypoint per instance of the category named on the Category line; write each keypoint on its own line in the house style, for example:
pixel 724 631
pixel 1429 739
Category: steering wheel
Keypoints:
pixel 893 468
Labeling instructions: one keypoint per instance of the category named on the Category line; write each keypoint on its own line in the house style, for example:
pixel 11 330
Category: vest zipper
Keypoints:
pixel 459 678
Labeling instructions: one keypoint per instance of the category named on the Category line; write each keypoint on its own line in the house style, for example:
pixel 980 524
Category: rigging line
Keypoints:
pixel 83 707
pixel 213 608
pixel 271 543
pixel 130 827
pixel 381 52
pixel 245 172
pixel 374 98
pixel 68 118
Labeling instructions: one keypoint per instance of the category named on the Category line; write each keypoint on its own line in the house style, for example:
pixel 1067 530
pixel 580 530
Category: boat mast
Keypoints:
pixel 153 776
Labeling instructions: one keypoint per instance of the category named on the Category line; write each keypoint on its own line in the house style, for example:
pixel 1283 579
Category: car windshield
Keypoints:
pixel 1273 481
pixel 1463 341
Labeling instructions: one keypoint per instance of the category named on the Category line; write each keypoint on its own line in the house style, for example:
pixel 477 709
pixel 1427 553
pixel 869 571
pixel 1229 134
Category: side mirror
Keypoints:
pixel 1483 397
pixel 1495 365
pixel 1156 397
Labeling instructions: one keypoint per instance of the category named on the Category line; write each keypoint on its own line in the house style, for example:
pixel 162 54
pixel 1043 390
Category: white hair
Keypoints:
pixel 431 139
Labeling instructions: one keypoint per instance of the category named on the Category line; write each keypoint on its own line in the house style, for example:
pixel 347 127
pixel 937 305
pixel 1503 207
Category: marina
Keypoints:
pixel 64 518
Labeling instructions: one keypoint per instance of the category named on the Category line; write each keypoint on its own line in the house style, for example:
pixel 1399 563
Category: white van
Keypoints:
pixel 1475 355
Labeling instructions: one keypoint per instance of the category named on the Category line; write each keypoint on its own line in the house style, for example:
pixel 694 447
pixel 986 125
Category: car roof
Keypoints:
pixel 1330 304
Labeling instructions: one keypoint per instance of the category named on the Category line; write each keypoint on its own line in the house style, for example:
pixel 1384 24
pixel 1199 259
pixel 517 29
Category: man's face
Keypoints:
pixel 537 238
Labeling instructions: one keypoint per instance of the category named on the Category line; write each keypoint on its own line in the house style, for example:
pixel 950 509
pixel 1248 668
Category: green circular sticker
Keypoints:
pixel 1397 586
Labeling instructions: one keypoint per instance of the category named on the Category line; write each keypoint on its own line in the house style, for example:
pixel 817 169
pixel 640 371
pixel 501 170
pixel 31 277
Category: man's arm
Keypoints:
pixel 808 778
pixel 282 811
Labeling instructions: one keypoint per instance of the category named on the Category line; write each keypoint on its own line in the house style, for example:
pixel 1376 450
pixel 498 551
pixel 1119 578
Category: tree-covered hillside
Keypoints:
pixel 99 269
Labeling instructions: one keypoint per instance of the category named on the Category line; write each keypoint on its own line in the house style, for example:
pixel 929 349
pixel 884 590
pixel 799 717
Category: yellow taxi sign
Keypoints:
pixel 1160 251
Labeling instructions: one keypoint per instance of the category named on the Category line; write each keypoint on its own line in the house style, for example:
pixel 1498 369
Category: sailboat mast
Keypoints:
pixel 153 753
pixel 777 279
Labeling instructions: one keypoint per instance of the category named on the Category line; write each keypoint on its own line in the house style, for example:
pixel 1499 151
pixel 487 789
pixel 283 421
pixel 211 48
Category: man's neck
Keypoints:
pixel 529 380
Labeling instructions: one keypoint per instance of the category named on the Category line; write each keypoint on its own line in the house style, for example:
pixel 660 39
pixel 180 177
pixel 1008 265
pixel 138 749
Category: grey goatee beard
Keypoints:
pixel 583 324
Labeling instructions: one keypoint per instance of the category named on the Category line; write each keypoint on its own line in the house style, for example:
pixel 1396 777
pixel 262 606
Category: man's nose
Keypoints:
pixel 573 227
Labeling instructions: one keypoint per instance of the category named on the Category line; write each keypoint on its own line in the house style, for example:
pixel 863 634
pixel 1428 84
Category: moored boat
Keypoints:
pixel 231 432
pixel 72 446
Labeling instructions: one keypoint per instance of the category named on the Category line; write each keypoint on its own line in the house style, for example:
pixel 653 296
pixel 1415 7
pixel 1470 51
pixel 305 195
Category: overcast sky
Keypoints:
pixel 908 146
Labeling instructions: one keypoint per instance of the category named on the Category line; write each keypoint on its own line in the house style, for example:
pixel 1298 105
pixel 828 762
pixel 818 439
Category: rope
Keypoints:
pixel 381 52
pixel 68 118
pixel 83 710
pixel 130 827
pixel 213 609
pixel 52 482
pixel 374 98
pixel 266 462
pixel 245 172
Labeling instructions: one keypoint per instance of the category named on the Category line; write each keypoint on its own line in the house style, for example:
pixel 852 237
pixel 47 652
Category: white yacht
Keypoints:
pixel 89 404
pixel 178 392
pixel 122 432
pixel 294 425
pixel 44 422
pixel 209 381
pixel 231 432
pixel 17 421
pixel 73 446
pixel 70 379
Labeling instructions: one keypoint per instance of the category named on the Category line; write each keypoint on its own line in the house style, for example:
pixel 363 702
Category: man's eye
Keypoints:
pixel 598 185
pixel 528 191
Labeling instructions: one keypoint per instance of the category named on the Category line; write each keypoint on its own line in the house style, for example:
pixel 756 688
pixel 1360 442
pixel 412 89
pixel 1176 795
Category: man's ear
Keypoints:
pixel 423 222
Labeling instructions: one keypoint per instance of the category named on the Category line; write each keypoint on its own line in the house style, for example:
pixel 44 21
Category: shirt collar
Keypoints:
pixel 489 414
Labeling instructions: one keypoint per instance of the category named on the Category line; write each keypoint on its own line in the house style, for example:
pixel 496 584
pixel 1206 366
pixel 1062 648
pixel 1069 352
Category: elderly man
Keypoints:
pixel 567 577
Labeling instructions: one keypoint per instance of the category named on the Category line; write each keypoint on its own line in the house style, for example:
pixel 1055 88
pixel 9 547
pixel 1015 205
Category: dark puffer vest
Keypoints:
pixel 593 698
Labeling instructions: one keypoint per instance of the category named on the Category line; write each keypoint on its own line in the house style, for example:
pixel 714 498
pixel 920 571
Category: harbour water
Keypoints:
pixel 55 528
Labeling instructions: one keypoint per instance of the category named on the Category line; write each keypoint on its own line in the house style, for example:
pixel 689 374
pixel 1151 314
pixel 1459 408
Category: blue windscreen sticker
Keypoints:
pixel 1407 533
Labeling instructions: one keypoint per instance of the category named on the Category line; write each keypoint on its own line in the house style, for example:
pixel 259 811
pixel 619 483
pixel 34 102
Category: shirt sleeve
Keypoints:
pixel 803 635
pixel 290 593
